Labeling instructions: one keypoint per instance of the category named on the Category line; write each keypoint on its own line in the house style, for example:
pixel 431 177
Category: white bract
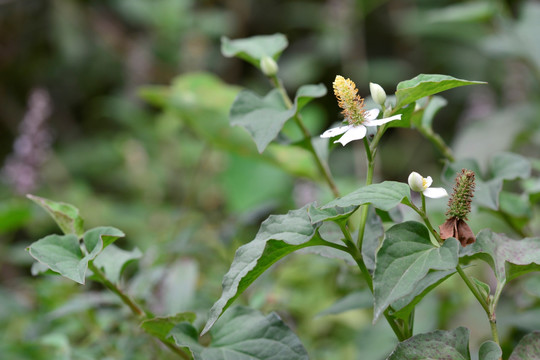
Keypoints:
pixel 377 93
pixel 422 185
pixel 358 131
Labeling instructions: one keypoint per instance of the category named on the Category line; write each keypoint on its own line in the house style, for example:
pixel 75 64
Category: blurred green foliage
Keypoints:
pixel 140 97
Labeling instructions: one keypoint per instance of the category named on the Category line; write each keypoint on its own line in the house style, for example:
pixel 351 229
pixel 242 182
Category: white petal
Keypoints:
pixel 382 121
pixel 428 182
pixel 335 131
pixel 415 181
pixel 371 114
pixel 435 193
pixel 355 133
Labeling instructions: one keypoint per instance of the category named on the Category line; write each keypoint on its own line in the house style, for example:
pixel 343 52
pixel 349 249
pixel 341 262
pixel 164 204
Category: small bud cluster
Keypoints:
pixel 459 204
pixel 349 100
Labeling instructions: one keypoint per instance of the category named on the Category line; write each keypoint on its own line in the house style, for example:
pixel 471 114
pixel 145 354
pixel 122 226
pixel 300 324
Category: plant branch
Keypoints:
pixel 135 308
pixel 323 168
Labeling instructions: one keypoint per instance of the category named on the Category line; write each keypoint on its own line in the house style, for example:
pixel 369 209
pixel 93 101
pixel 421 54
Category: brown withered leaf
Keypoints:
pixel 458 229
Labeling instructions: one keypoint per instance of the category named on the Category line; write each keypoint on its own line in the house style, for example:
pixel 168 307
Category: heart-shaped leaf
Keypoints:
pixel 278 236
pixel 509 258
pixel 384 196
pixel 528 347
pixel 66 215
pixel 243 334
pixel 425 85
pixel 63 254
pixel 254 48
pixel 438 344
pixel 405 263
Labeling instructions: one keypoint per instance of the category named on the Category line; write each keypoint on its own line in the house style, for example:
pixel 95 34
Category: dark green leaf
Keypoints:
pixel 528 348
pixel 406 259
pixel 435 345
pixel 509 258
pixel 425 85
pixel 384 196
pixel 254 48
pixel 66 216
pixel 278 236
pixel 244 334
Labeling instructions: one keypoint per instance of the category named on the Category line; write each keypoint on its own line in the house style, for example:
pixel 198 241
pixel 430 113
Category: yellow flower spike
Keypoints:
pixel 349 100
pixel 355 114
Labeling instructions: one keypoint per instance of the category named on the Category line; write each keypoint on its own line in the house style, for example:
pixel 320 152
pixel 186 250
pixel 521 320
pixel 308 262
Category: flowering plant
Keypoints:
pixel 399 261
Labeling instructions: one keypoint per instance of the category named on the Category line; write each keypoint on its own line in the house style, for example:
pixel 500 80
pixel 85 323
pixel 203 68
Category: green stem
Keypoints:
pixel 357 256
pixel 365 208
pixel 135 309
pixel 425 219
pixel 324 170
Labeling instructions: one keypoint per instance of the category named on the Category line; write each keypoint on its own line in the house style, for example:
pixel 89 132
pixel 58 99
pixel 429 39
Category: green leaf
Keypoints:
pixel 66 216
pixel 483 288
pixel 264 117
pixel 243 334
pixel 161 326
pixel 528 347
pixel 278 236
pixel 425 85
pixel 509 258
pixel 101 237
pixel 439 344
pixel 112 260
pixel 509 166
pixel 317 214
pixel 62 254
pixel 254 48
pixel 406 258
pixel 489 350
pixel 384 196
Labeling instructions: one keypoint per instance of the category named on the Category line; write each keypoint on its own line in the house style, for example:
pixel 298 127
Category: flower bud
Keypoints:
pixel 269 67
pixel 377 93
pixel 459 204
pixel 416 182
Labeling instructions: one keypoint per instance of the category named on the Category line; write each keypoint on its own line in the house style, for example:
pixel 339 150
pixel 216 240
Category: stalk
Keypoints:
pixel 324 170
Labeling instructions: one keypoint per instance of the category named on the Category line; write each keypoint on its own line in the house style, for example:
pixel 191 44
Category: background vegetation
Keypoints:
pixel 83 119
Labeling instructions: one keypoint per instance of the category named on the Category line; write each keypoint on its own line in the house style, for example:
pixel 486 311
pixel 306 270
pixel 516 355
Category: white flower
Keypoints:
pixel 421 184
pixel 358 131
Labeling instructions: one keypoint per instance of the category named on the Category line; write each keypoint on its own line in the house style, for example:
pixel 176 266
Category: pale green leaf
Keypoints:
pixel 509 166
pixel 435 345
pixel 243 334
pixel 66 215
pixel 161 326
pixel 509 258
pixel 61 254
pixel 489 350
pixel 254 48
pixel 426 85
pixel 356 300
pixel 278 236
pixel 405 258
pixel 112 260
pixel 528 348
pixel 384 196
pixel 264 117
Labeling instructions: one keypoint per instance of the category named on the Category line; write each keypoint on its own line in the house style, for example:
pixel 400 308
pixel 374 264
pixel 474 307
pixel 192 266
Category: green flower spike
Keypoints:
pixel 459 207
